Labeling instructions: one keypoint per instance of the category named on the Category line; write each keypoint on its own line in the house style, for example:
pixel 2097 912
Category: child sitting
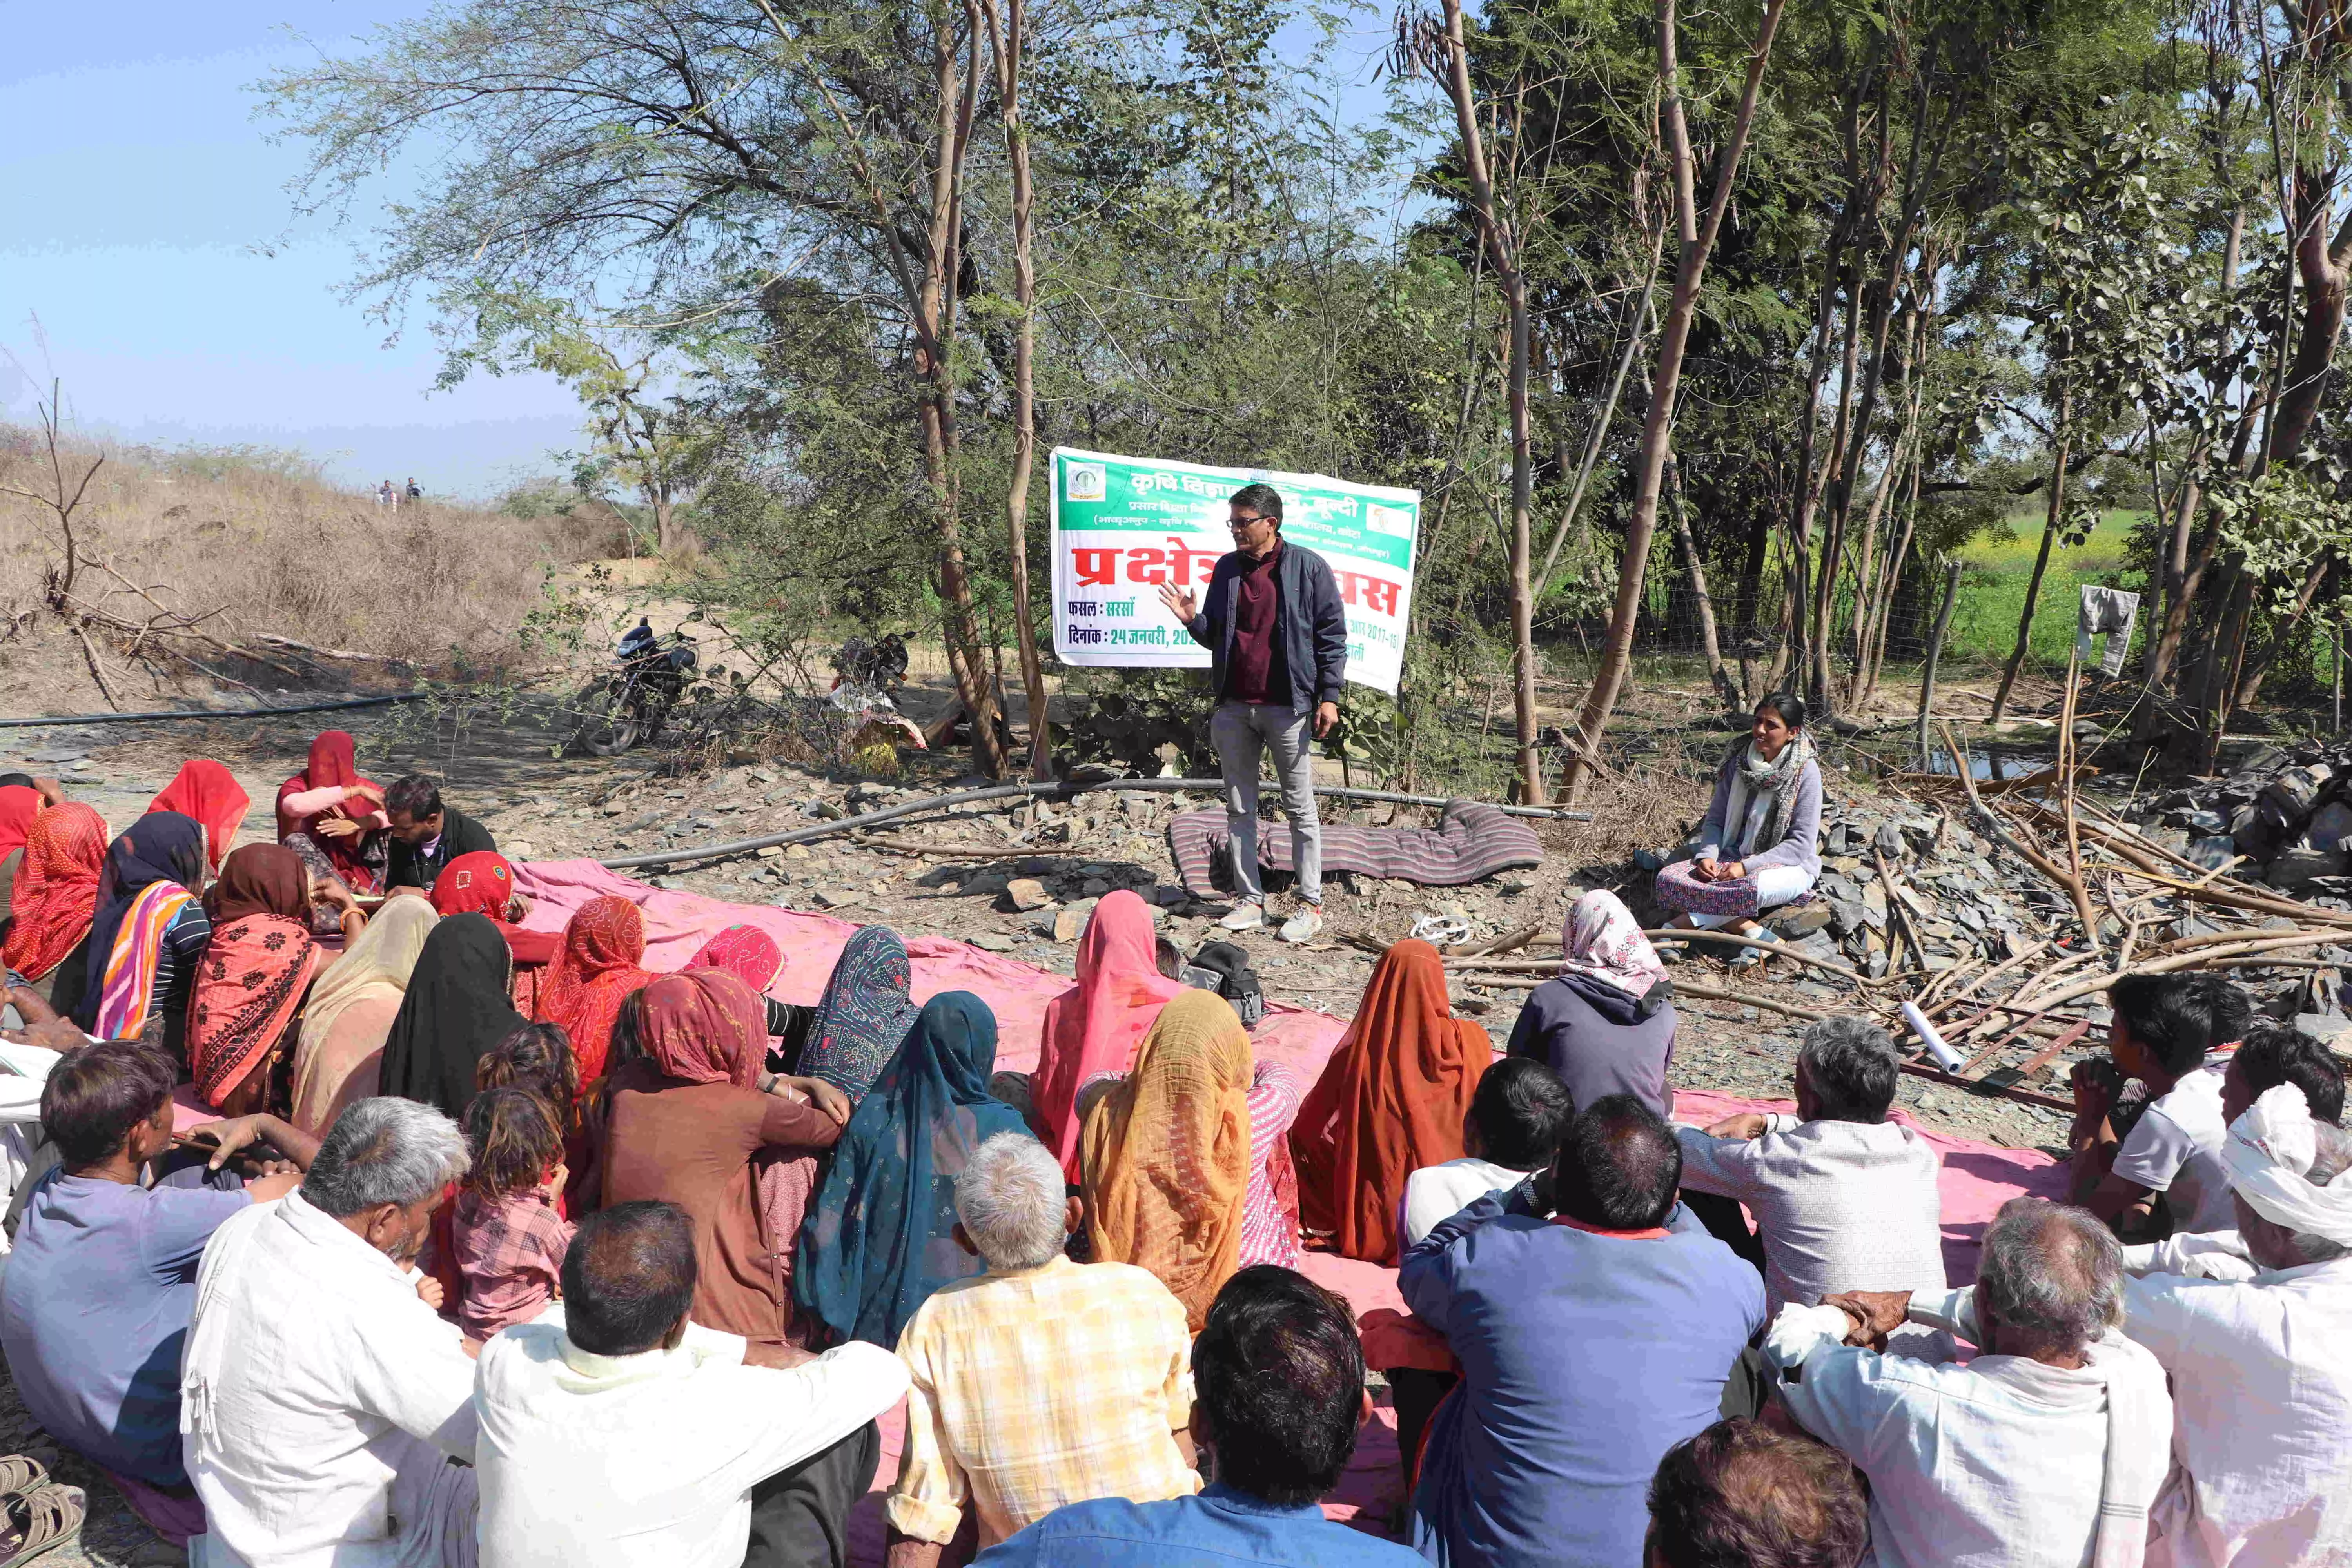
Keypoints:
pixel 534 1056
pixel 2174 1034
pixel 506 1234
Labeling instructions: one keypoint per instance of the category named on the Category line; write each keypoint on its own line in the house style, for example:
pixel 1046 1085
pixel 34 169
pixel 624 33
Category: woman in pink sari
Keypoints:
pixel 1094 1026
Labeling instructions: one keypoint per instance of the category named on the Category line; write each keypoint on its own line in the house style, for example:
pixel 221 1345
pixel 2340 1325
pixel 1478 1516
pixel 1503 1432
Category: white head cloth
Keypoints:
pixel 2269 1154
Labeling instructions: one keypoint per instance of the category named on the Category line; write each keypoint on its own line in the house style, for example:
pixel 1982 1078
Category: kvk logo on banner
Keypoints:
pixel 1121 526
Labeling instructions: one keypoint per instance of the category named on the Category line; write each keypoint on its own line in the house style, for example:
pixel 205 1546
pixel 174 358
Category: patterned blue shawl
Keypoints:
pixel 877 1241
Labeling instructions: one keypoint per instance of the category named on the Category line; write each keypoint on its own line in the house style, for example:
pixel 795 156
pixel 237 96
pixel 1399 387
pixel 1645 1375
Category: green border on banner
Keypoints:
pixel 1372 522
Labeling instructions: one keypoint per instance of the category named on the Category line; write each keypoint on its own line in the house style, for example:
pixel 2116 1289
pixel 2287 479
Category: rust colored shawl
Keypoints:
pixel 56 888
pixel 705 1025
pixel 598 965
pixel 1167 1153
pixel 1390 1100
pixel 1094 1025
pixel 255 969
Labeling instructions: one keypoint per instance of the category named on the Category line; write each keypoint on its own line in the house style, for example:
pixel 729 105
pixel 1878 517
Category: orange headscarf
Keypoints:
pixel 56 888
pixel 209 793
pixel 1168 1153
pixel 1390 1100
pixel 592 974
pixel 1093 1026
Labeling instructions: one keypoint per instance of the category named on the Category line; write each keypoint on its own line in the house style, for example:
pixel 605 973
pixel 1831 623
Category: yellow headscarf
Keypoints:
pixel 1167 1153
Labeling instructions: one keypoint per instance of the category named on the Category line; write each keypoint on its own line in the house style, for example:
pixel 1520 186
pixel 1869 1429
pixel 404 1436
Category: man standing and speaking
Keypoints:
pixel 1277 641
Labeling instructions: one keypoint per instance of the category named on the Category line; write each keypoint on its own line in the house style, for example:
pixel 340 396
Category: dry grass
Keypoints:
pixel 260 542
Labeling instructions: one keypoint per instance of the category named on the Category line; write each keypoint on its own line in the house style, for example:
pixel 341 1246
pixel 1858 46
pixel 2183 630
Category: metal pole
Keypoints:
pixel 1934 653
pixel 1059 789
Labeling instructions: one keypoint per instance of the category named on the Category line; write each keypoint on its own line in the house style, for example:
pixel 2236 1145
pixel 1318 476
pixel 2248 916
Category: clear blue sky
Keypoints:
pixel 139 193
pixel 138 189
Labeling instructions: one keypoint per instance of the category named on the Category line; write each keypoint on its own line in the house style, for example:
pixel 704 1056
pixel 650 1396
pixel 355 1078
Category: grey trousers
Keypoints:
pixel 800 1517
pixel 1241 732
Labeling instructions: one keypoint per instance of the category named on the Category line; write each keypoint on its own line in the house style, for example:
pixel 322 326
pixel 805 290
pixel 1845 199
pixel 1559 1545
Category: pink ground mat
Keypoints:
pixel 677 925
pixel 1978 1177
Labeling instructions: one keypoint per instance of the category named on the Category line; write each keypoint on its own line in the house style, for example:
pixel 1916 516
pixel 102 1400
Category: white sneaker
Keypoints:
pixel 1304 926
pixel 1247 915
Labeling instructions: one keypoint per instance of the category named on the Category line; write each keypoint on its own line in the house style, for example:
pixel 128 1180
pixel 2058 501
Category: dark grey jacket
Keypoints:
pixel 1311 625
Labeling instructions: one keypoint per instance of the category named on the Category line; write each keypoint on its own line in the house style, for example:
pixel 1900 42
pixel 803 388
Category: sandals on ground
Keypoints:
pixel 19 1474
pixel 39 1521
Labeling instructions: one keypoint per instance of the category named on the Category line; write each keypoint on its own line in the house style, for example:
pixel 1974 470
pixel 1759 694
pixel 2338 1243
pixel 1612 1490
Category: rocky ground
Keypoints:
pixel 542 807
pixel 502 769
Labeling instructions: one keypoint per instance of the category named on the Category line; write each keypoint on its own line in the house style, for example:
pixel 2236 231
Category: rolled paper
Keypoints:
pixel 1946 1058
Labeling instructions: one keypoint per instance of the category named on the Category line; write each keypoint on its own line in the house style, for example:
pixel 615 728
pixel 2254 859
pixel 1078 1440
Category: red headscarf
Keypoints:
pixel 483 883
pixel 334 760
pixel 1390 1100
pixel 747 952
pixel 1096 1025
pixel 18 807
pixel 57 887
pixel 209 793
pixel 704 1026
pixel 596 968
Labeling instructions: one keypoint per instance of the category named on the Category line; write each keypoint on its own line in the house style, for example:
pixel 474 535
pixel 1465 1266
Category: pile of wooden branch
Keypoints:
pixel 2132 901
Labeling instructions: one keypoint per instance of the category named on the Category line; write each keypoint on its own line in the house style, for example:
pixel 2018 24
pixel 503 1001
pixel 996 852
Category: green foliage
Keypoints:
pixel 702 218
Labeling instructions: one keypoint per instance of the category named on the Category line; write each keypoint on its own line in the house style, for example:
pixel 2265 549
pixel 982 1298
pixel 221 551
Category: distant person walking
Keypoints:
pixel 414 493
pixel 1278 640
pixel 383 494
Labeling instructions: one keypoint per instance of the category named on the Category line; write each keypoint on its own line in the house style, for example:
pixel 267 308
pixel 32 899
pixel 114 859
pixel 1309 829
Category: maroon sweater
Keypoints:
pixel 1256 667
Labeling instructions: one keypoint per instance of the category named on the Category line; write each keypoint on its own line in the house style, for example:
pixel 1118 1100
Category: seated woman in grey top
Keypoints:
pixel 1758 846
pixel 1606 1025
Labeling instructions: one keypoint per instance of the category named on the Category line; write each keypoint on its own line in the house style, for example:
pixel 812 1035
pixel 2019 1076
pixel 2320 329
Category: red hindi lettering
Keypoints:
pixel 1098 566
pixel 1146 566
pixel 1183 555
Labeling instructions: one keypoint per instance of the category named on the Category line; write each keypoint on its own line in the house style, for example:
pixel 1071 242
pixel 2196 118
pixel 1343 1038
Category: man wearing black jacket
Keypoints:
pixel 1278 640
pixel 426 834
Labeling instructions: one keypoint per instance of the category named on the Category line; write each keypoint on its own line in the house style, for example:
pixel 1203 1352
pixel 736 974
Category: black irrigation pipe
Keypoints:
pixel 209 712
pixel 1058 790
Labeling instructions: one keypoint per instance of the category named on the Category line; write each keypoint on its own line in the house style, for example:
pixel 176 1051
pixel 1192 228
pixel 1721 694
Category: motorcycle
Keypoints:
pixel 632 701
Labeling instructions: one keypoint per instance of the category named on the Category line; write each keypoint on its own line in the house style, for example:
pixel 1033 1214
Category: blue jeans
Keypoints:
pixel 1241 732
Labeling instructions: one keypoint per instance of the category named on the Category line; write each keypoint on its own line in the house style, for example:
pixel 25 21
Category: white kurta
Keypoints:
pixel 2262 1401
pixel 1838 1205
pixel 590 1461
pixel 2000 1463
pixel 321 1403
pixel 24 1074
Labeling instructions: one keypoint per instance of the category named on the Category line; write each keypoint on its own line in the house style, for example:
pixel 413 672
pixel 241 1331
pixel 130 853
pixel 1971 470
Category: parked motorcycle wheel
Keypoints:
pixel 608 726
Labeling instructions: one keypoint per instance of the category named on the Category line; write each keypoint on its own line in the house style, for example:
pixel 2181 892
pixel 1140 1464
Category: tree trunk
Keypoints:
pixel 2325 265
pixel 935 309
pixel 1934 657
pixel 2314 582
pixel 2042 558
pixel 1695 568
pixel 1617 651
pixel 1502 243
pixel 1824 608
pixel 1638 327
pixel 1009 39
